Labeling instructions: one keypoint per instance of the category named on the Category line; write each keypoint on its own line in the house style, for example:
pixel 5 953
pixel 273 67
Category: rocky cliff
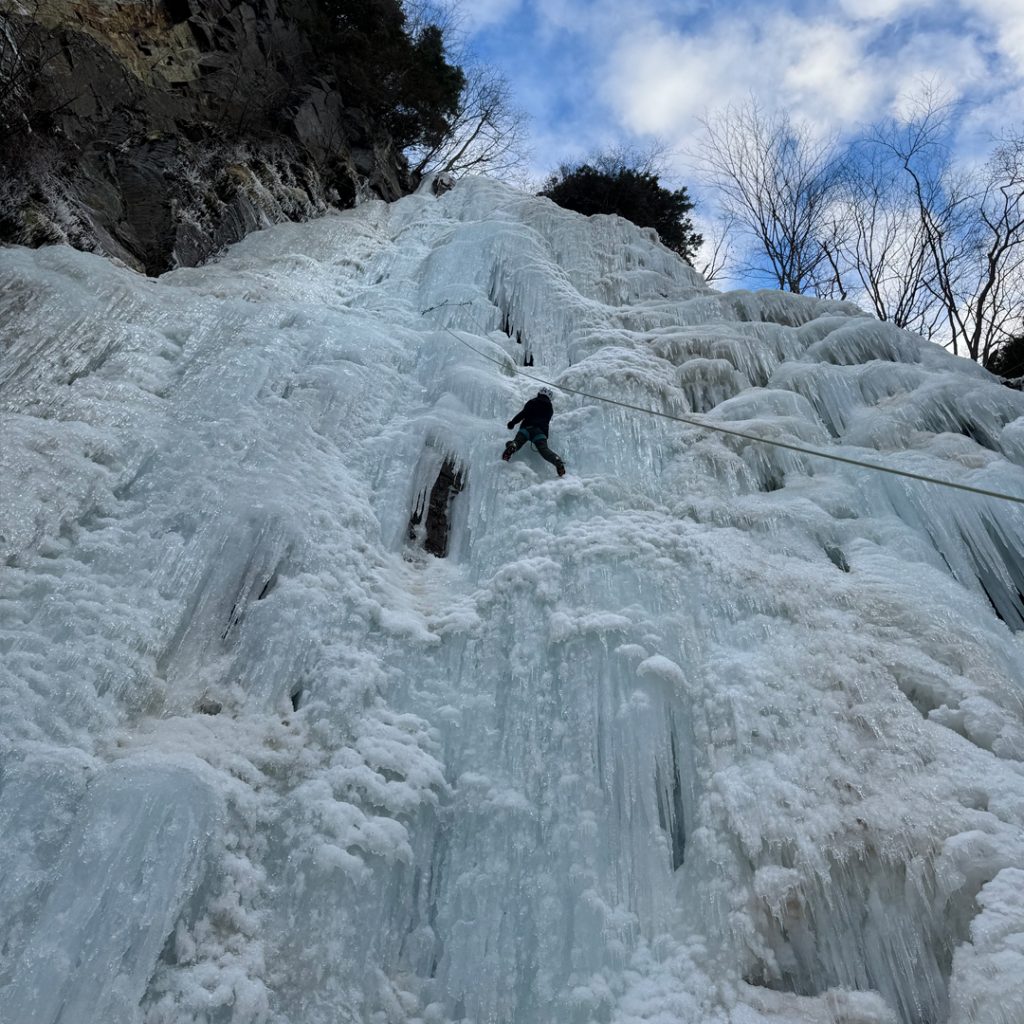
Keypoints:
pixel 158 131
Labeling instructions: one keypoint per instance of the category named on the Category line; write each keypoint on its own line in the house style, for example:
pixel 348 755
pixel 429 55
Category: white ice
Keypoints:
pixel 706 732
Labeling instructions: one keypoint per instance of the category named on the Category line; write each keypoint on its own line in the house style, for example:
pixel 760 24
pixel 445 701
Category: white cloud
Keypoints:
pixel 882 10
pixel 657 79
pixel 478 14
pixel 601 19
pixel 824 70
pixel 828 71
pixel 952 65
pixel 654 67
pixel 1005 19
pixel 988 121
pixel 660 81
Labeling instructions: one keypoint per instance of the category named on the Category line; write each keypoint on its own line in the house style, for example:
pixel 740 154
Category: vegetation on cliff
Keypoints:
pixel 158 132
pixel 396 72
pixel 626 185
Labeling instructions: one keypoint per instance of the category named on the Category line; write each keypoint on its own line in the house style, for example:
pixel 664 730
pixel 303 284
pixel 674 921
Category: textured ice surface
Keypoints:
pixel 706 732
pixel 133 855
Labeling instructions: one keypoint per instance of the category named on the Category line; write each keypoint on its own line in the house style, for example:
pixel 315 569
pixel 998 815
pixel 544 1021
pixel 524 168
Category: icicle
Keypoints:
pixel 707 730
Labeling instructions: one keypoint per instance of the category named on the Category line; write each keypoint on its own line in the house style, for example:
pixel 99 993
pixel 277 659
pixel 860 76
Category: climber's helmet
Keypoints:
pixel 546 392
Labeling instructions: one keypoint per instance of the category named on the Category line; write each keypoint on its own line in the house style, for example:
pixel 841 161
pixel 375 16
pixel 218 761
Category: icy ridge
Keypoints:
pixel 705 731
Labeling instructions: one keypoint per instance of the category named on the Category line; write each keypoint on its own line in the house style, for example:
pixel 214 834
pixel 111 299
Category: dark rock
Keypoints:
pixel 159 132
pixel 434 513
pixel 837 557
pixel 444 182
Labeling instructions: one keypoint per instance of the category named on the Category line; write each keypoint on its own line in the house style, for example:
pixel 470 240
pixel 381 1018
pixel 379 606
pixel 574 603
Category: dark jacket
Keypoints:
pixel 536 413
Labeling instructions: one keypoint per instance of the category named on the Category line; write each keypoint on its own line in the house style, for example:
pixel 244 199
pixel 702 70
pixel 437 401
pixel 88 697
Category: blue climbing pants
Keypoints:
pixel 540 442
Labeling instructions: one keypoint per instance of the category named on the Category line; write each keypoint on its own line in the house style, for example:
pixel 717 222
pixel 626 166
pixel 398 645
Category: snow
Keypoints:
pixel 706 731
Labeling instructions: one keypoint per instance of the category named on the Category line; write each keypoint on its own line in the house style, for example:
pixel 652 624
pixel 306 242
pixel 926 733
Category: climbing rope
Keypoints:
pixel 696 421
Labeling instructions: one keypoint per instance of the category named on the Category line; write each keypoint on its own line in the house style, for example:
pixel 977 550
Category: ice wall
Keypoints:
pixel 706 731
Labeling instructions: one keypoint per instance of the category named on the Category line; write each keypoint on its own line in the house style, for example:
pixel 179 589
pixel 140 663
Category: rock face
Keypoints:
pixel 158 132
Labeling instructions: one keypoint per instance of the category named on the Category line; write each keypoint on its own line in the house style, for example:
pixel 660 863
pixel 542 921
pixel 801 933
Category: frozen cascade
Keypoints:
pixel 706 731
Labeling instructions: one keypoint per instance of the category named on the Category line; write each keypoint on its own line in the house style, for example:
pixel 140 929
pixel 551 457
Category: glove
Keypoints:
pixel 510 425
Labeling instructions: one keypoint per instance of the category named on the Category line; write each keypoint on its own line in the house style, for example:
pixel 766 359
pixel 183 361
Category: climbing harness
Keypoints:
pixel 695 421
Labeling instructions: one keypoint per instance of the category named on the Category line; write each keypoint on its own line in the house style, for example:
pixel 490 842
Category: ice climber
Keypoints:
pixel 536 419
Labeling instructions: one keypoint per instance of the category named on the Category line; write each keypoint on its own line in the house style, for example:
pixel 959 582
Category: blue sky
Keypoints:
pixel 591 74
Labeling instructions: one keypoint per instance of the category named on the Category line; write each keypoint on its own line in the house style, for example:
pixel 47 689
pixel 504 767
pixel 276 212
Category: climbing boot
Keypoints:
pixel 561 469
pixel 510 450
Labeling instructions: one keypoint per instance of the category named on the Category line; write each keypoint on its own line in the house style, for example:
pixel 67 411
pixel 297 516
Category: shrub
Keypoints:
pixel 1008 359
pixel 633 193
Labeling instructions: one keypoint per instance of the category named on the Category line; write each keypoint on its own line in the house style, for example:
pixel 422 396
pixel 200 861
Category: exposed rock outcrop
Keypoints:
pixel 159 131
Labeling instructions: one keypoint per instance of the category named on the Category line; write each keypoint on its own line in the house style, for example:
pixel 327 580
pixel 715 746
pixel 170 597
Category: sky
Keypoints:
pixel 599 73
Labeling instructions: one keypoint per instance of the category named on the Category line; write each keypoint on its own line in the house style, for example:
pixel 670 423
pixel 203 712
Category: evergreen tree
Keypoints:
pixel 633 193
pixel 402 78
pixel 1008 360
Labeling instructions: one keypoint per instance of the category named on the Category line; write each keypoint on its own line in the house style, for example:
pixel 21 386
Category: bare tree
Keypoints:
pixel 652 158
pixel 891 222
pixel 487 134
pixel 876 246
pixel 716 253
pixel 777 182
pixel 998 293
pixel 972 223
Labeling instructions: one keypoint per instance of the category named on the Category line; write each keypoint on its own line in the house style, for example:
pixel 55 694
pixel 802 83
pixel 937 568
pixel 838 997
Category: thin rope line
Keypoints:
pixel 695 422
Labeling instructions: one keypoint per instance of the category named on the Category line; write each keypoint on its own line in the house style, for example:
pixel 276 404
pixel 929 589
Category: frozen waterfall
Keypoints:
pixel 707 732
